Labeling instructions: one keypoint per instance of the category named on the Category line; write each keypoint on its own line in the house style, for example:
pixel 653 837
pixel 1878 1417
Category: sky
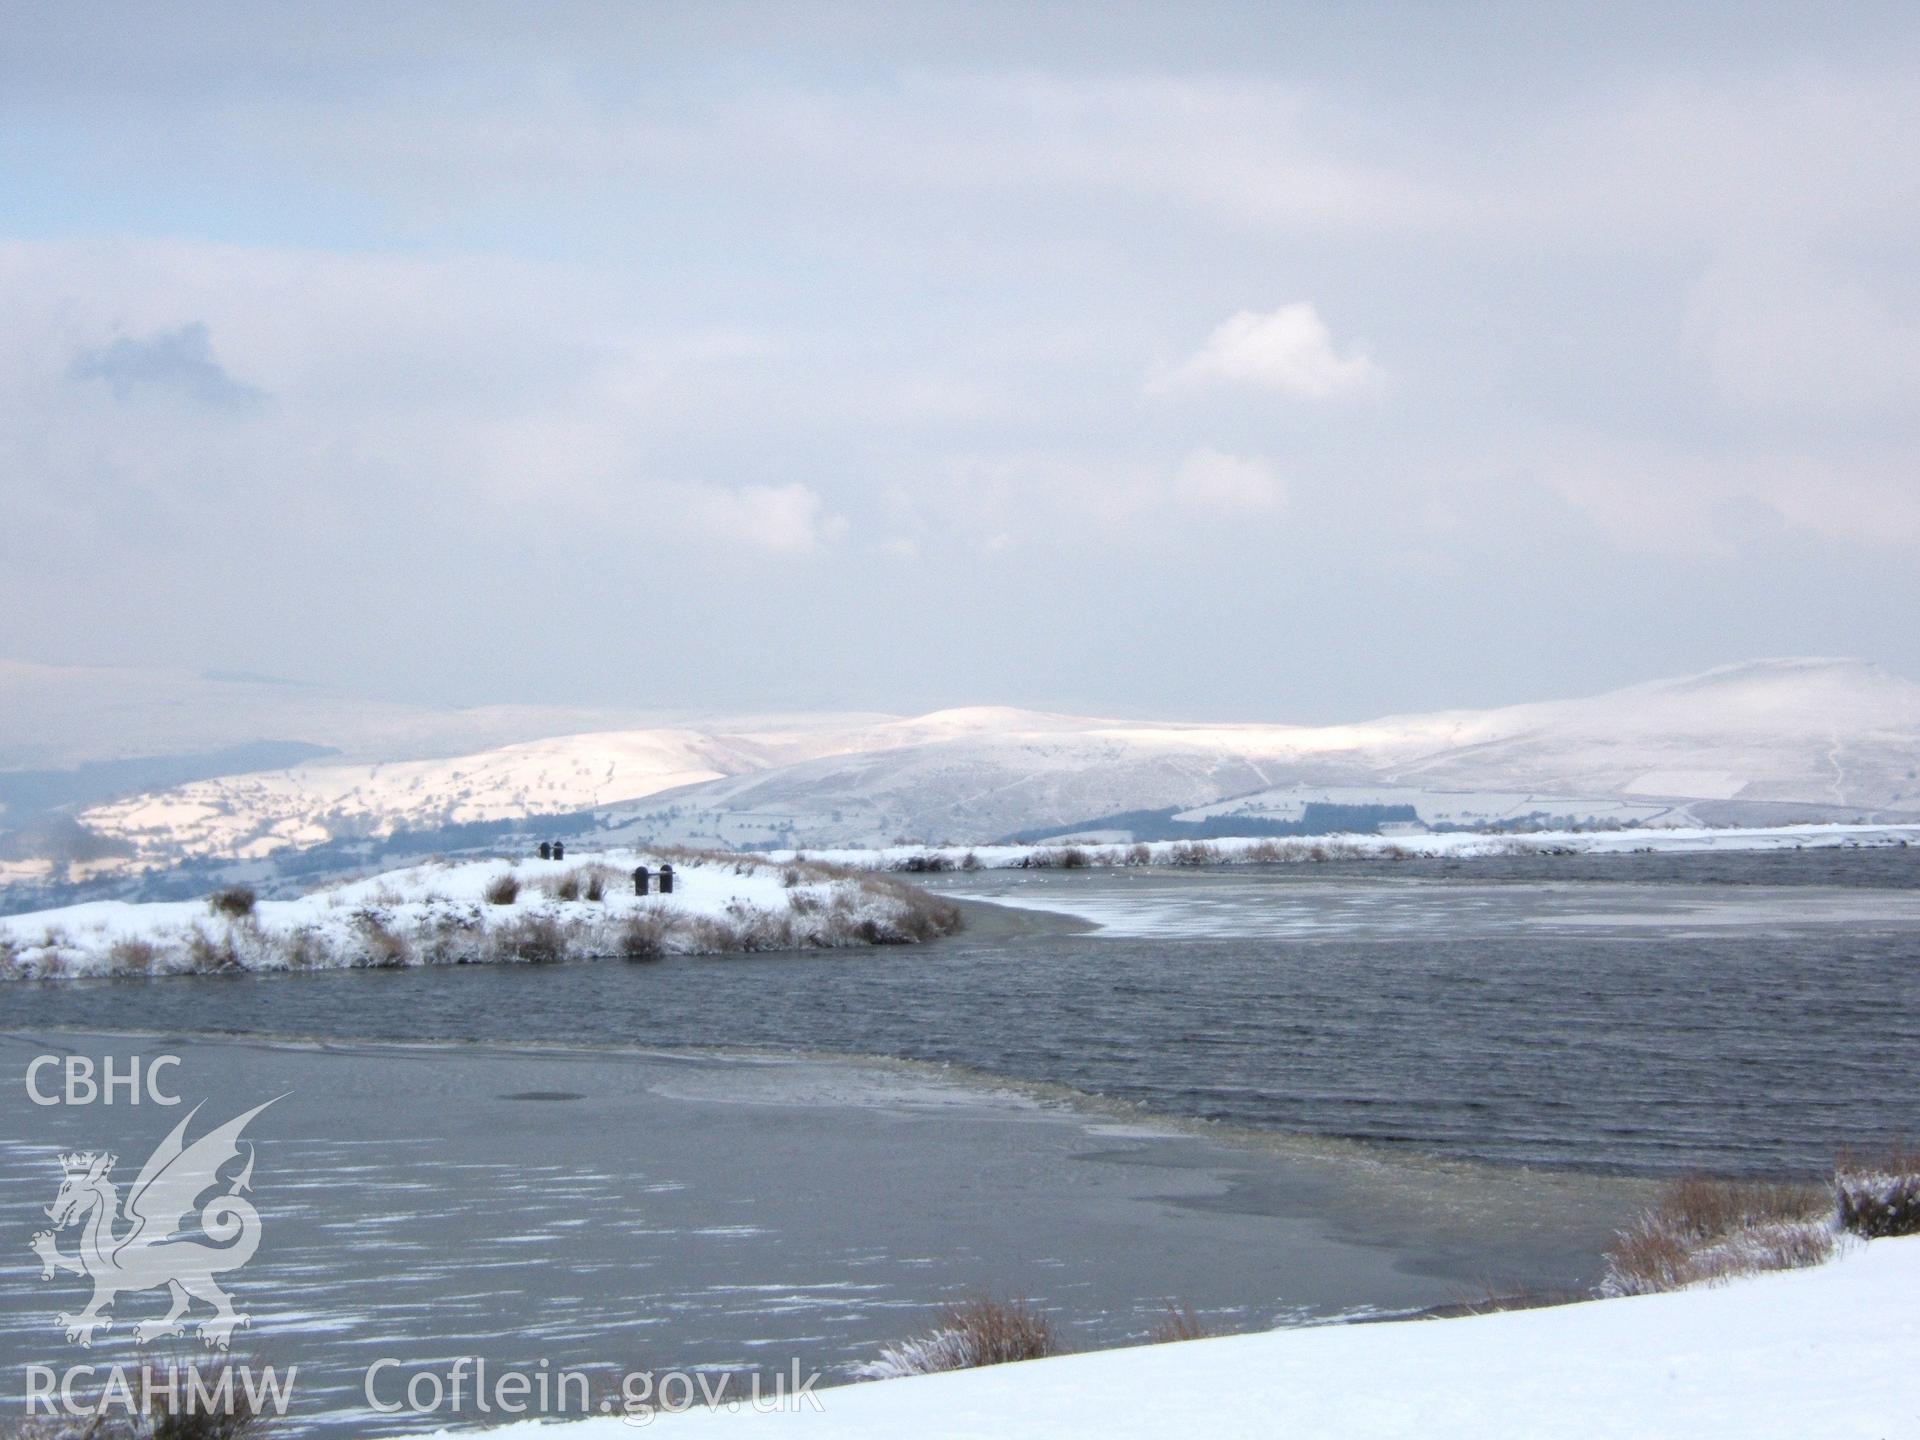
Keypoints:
pixel 1200 361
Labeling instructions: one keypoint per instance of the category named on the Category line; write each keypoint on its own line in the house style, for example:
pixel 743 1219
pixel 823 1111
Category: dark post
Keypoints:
pixel 640 878
pixel 546 851
pixel 559 849
pixel 666 879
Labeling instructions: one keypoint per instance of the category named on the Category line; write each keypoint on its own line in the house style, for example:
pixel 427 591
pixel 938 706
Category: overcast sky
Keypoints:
pixel 1249 361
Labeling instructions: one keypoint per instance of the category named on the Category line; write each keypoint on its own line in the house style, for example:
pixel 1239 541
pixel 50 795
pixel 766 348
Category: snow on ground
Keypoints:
pixel 1824 1352
pixel 1453 845
pixel 451 913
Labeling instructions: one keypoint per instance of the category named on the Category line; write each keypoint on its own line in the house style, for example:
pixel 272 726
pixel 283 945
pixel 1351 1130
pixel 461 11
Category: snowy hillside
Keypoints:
pixel 1766 743
pixel 246 816
pixel 1769 742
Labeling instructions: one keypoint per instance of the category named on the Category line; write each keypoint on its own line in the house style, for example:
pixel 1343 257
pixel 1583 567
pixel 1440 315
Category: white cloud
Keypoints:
pixel 1801 340
pixel 779 519
pixel 1289 350
pixel 1211 480
pixel 1681 502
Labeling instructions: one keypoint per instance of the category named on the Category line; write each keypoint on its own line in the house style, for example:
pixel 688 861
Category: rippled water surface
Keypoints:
pixel 1640 1013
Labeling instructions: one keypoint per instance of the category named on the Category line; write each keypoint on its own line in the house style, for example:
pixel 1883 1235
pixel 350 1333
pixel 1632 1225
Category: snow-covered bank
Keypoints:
pixel 479 912
pixel 1826 1352
pixel 1449 844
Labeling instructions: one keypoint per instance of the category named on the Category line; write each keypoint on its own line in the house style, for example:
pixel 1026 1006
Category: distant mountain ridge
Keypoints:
pixel 1768 741
pixel 1773 739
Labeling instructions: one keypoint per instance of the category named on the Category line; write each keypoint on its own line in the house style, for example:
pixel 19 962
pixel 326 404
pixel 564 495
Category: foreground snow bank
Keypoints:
pixel 1826 1352
pixel 1446 844
pixel 479 912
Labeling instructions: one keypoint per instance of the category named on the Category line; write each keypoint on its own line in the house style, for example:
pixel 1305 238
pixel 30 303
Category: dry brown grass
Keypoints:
pixel 448 937
pixel 922 916
pixel 1704 1208
pixel 972 1333
pixel 1001 1332
pixel 132 956
pixel 584 882
pixel 502 890
pixel 531 940
pixel 382 947
pixel 644 936
pixel 302 949
pixel 235 902
pixel 1193 852
pixel 930 862
pixel 207 953
pixel 1705 1229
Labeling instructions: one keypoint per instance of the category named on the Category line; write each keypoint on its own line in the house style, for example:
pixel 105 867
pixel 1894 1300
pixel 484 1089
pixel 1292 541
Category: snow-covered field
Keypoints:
pixel 1824 1352
pixel 585 906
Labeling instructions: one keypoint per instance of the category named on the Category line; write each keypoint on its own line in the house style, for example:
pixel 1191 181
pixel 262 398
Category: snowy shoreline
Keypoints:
pixel 1069 853
pixel 1824 1351
pixel 481 912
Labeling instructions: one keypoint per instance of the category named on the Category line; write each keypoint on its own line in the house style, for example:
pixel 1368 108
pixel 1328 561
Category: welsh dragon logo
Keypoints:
pixel 152 1251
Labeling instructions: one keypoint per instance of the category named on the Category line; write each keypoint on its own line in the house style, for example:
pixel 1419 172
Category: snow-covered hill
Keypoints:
pixel 1768 742
pixel 253 815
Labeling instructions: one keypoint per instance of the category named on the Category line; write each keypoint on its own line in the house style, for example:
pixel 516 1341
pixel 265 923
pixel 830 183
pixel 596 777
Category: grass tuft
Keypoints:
pixel 1702 1228
pixel 386 948
pixel 532 940
pixel 132 956
pixel 235 902
pixel 976 1332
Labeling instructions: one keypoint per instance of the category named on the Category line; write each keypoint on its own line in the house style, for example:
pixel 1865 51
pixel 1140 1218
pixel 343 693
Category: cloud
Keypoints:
pixel 777 519
pixel 1070 498
pixel 178 362
pixel 1289 350
pixel 1799 340
pixel 1211 480
pixel 1689 503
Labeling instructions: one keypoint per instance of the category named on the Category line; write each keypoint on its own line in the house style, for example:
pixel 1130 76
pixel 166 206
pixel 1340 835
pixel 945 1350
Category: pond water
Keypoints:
pixel 1634 1014
pixel 1278 1095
